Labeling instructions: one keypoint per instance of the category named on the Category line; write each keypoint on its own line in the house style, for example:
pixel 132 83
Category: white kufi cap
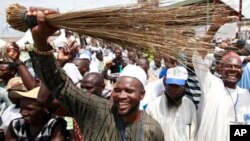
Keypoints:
pixel 136 72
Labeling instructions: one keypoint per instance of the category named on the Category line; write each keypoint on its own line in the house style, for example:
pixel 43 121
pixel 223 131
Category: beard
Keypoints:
pixel 173 102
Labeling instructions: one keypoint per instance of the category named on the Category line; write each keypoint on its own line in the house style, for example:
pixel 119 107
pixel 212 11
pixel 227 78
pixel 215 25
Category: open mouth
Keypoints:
pixel 232 76
pixel 123 105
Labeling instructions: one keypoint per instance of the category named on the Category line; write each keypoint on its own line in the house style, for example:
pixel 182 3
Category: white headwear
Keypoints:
pixel 85 56
pixel 177 75
pixel 135 72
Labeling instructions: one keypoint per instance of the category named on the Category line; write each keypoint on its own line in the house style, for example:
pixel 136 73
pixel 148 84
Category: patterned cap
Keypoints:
pixel 177 75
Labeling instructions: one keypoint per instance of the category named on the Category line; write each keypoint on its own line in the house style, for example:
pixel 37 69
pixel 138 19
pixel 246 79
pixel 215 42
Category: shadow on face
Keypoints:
pixel 174 91
pixel 31 111
pixel 6 72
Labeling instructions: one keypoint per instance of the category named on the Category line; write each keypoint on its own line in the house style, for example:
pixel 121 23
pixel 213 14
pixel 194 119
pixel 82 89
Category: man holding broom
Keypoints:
pixel 97 117
pixel 222 103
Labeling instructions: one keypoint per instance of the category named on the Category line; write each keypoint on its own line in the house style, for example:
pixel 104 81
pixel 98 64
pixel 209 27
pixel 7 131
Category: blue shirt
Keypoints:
pixel 245 79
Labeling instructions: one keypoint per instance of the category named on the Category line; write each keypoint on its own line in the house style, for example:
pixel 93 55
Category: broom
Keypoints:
pixel 162 30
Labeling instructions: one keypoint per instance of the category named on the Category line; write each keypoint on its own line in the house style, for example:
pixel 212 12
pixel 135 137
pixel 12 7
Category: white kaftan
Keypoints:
pixel 216 109
pixel 178 124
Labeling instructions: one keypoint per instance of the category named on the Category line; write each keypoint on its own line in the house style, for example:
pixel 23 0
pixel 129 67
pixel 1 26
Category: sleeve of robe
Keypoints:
pixel 85 107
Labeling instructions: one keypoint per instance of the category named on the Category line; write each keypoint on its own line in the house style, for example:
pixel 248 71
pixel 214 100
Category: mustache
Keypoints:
pixel 176 102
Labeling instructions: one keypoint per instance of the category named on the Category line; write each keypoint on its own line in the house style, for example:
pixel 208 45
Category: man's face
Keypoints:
pixel 157 60
pixel 99 57
pixel 231 71
pixel 92 87
pixel 132 57
pixel 4 71
pixel 82 65
pixel 143 64
pixel 175 92
pixel 31 111
pixel 127 94
pixel 118 54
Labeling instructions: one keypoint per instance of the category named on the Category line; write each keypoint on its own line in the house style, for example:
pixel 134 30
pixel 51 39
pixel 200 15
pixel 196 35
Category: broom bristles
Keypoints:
pixel 160 30
pixel 14 15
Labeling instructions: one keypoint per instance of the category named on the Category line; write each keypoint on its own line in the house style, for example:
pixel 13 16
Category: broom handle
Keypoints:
pixel 30 21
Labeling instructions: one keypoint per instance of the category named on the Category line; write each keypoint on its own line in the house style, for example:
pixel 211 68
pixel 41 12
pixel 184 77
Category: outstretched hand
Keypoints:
pixel 13 51
pixel 42 31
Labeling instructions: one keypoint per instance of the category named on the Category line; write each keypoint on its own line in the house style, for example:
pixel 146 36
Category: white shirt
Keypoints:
pixel 72 71
pixel 233 93
pixel 152 91
pixel 8 115
pixel 153 70
pixel 178 124
pixel 216 109
pixel 97 66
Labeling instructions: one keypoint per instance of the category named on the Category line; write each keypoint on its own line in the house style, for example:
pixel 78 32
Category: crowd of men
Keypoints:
pixel 91 90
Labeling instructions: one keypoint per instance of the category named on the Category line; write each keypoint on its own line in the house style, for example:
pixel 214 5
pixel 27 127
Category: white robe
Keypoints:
pixel 153 90
pixel 72 71
pixel 178 124
pixel 8 115
pixel 216 108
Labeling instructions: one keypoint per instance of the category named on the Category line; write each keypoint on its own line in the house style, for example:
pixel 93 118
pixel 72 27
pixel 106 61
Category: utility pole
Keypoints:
pixel 240 9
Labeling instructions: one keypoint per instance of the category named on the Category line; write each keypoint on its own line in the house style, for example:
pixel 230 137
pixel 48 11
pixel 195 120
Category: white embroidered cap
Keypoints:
pixel 135 72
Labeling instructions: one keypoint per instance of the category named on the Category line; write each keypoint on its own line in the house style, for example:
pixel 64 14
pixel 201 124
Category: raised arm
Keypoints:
pixel 218 20
pixel 13 53
pixel 199 61
pixel 78 101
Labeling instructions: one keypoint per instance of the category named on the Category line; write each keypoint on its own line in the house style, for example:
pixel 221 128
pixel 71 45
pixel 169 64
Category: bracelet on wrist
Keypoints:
pixel 44 53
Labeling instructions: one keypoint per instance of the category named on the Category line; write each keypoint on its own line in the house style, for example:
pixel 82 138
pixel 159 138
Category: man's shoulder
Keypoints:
pixel 186 102
pixel 150 123
pixel 186 99
pixel 243 92
pixel 151 126
pixel 18 123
